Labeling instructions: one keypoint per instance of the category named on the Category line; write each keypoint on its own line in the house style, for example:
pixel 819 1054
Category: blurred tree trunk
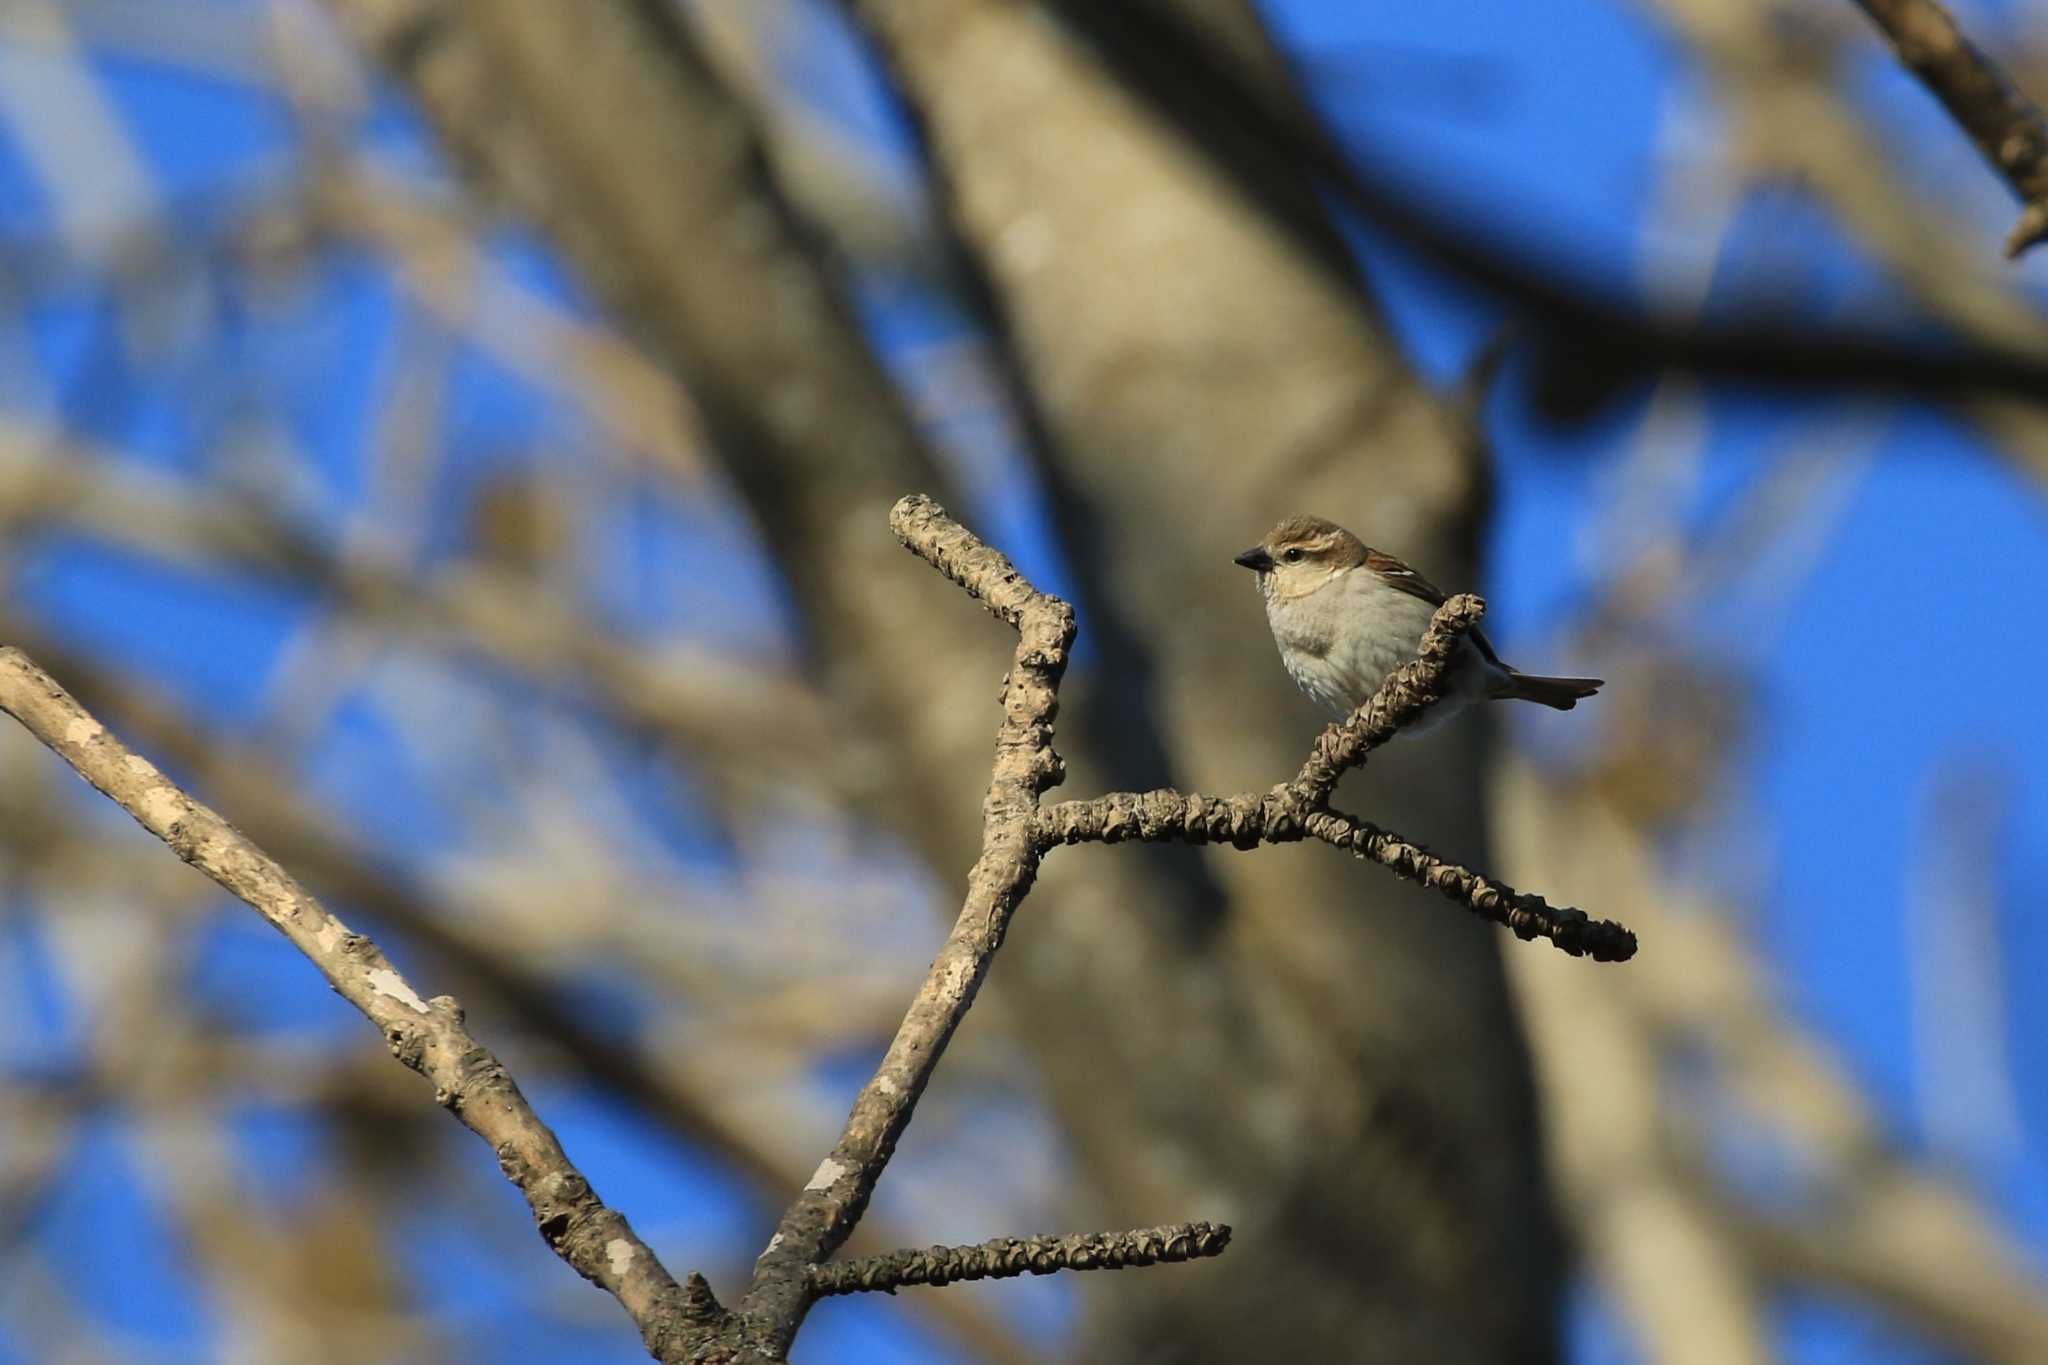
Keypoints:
pixel 1328 1061
pixel 1198 379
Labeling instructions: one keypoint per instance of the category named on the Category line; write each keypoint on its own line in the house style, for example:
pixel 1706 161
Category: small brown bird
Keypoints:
pixel 1345 615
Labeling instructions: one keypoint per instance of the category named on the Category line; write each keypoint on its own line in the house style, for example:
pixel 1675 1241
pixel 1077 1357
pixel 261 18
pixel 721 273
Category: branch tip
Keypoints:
pixel 700 1305
pixel 986 574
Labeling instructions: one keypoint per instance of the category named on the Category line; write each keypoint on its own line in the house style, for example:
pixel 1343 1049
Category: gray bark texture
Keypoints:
pixel 1282 1042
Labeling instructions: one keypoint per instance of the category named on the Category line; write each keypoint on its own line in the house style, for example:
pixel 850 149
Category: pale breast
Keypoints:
pixel 1380 631
pixel 1323 681
pixel 1340 642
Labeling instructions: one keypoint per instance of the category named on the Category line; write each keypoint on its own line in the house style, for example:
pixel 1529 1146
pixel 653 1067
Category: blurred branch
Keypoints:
pixel 1587 347
pixel 737 716
pixel 314 1284
pixel 834 174
pixel 208 40
pixel 1877 1224
pixel 427 1035
pixel 40 1300
pixel 1924 1253
pixel 2006 126
pixel 445 259
pixel 1882 1223
pixel 1685 1295
pixel 1688 1247
pixel 66 126
pixel 1794 124
pixel 694 247
pixel 445 267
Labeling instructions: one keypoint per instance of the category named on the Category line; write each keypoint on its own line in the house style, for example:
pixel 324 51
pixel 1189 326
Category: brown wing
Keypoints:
pixel 1399 575
pixel 1396 574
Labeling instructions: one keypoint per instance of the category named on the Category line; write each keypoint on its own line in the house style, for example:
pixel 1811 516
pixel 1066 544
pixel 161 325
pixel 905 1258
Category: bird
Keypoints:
pixel 1345 615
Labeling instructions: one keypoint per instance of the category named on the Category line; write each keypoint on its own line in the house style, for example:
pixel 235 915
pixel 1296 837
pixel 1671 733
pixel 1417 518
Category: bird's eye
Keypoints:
pixel 1293 556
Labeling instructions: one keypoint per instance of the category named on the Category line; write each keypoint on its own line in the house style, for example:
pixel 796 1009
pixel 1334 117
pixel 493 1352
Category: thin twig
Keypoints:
pixel 2006 126
pixel 1005 1257
pixel 1527 916
pixel 427 1035
pixel 1298 809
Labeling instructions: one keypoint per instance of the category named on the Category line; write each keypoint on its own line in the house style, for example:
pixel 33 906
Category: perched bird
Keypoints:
pixel 1345 615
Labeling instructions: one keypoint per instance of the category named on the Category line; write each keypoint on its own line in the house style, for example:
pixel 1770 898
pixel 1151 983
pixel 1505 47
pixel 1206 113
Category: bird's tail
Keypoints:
pixel 1561 693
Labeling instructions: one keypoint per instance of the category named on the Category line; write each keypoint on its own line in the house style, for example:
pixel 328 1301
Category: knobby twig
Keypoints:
pixel 1527 915
pixel 2007 127
pixel 427 1035
pixel 1025 766
pixel 1006 1257
pixel 1301 808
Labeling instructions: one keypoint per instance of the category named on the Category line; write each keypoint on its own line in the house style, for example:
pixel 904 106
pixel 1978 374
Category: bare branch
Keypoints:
pixel 1529 916
pixel 698 703
pixel 280 818
pixel 2006 126
pixel 427 1035
pixel 1006 1257
pixel 1301 808
pixel 1016 833
pixel 1686 1257
pixel 1025 766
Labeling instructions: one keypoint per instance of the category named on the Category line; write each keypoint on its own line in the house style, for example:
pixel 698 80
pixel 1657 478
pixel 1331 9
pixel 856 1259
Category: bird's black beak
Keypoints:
pixel 1256 559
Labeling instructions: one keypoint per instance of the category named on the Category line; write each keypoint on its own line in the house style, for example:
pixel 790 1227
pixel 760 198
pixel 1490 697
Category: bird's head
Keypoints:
pixel 1300 555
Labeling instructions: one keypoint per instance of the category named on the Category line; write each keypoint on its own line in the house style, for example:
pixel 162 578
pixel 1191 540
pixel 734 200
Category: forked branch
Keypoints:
pixel 1017 832
pixel 1025 765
